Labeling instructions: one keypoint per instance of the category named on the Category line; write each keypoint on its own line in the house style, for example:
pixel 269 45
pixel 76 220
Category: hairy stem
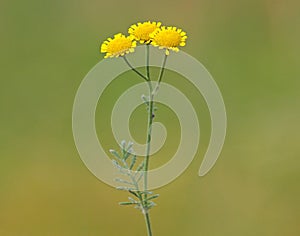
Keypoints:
pixel 148 224
pixel 149 131
pixel 144 201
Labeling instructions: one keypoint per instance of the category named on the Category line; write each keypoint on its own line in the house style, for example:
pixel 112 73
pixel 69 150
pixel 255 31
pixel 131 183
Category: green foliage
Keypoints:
pixel 125 162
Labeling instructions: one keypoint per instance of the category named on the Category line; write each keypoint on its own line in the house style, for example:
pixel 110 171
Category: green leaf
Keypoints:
pixel 133 200
pixel 146 192
pixel 145 100
pixel 126 155
pixel 129 146
pixel 115 153
pixel 152 197
pixel 133 160
pixel 140 177
pixel 150 205
pixel 141 166
pixel 126 189
pixel 120 168
pixel 123 144
pixel 123 181
pixel 133 193
pixel 127 203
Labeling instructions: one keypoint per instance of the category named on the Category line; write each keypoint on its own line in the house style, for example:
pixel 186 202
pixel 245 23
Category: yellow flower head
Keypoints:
pixel 168 38
pixel 118 46
pixel 142 31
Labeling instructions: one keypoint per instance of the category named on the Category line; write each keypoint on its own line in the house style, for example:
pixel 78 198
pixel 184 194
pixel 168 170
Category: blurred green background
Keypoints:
pixel 252 50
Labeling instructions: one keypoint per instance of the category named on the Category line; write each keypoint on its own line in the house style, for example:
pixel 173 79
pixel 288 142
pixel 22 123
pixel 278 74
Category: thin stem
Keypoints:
pixel 148 224
pixel 162 70
pixel 149 126
pixel 147 62
pixel 149 131
pixel 143 199
pixel 136 71
pixel 146 213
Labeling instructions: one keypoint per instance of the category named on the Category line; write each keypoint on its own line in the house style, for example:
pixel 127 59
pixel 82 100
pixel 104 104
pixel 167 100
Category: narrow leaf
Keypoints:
pixel 127 203
pixel 123 181
pixel 145 100
pixel 132 200
pixel 152 197
pixel 141 166
pixel 115 153
pixel 140 177
pixel 133 193
pixel 133 160
pixel 126 188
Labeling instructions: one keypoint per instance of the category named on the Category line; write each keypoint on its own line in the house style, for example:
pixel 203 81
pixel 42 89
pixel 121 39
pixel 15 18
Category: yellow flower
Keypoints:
pixel 142 31
pixel 168 38
pixel 118 46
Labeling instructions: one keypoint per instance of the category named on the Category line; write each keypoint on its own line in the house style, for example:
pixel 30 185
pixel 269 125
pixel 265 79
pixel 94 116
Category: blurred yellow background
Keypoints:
pixel 252 50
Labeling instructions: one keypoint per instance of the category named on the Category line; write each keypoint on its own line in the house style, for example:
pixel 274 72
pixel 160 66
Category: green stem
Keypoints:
pixel 148 59
pixel 161 73
pixel 148 224
pixel 149 131
pixel 132 68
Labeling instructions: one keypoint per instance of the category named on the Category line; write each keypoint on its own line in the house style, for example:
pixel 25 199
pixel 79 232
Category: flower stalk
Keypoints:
pixel 149 133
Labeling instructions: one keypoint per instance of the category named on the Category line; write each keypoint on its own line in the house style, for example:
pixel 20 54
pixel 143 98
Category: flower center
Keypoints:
pixel 119 45
pixel 168 38
pixel 142 32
